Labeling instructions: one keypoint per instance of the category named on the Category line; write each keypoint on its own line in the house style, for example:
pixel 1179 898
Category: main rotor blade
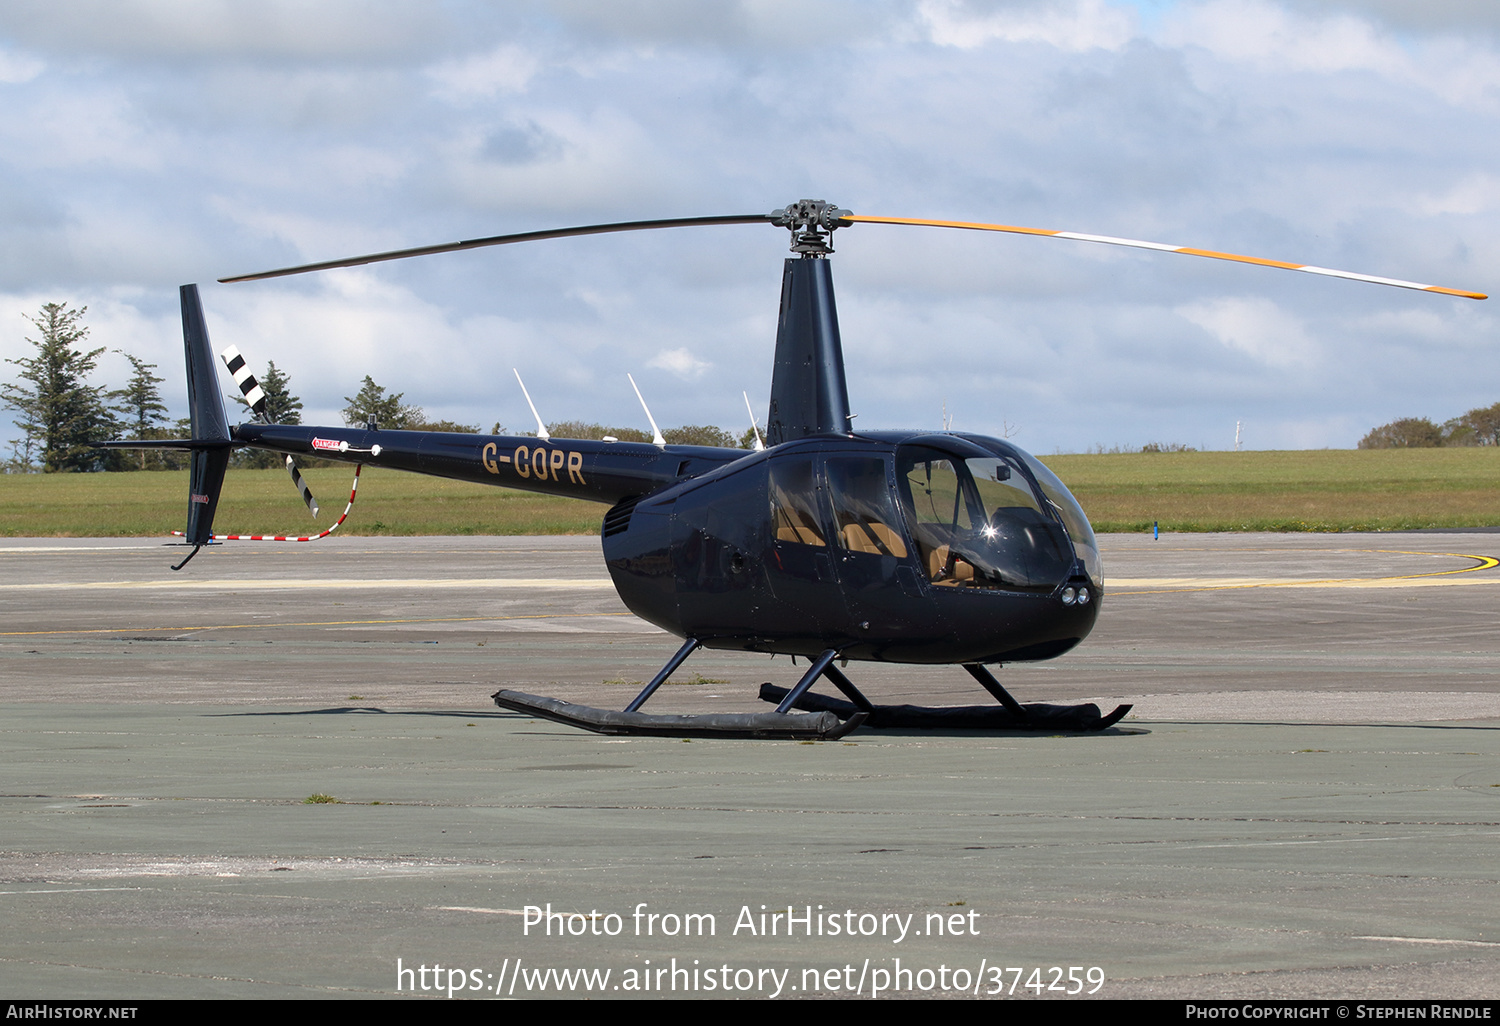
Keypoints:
pixel 1163 247
pixel 501 240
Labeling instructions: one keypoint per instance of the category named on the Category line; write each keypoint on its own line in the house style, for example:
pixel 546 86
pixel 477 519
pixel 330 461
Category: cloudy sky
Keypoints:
pixel 147 143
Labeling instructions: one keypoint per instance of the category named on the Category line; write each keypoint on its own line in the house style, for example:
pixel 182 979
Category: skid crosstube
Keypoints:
pixel 1037 716
pixel 820 726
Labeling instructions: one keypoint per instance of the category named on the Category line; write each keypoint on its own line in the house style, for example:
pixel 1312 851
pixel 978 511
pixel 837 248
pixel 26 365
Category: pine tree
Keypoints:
pixel 140 400
pixel 387 410
pixel 281 406
pixel 139 403
pixel 61 414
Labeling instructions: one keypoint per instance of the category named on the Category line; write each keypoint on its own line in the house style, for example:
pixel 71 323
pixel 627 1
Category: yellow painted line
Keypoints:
pixel 1437 578
pixel 274 583
pixel 307 623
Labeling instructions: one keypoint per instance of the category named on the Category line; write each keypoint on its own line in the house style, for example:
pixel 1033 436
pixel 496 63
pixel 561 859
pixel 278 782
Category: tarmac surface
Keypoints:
pixel 1304 803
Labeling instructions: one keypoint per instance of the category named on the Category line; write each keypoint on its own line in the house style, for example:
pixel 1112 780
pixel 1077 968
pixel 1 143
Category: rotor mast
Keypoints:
pixel 809 394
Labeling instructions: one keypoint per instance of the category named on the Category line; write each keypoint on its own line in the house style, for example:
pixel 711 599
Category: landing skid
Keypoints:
pixel 782 724
pixel 1036 716
pixel 1011 715
pixel 821 726
pixel 823 718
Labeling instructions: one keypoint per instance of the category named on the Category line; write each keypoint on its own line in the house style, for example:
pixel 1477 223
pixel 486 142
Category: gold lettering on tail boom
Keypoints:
pixel 488 457
pixel 540 462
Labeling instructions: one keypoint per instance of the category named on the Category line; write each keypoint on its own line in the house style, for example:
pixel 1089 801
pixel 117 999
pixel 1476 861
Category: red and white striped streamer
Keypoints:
pixel 288 538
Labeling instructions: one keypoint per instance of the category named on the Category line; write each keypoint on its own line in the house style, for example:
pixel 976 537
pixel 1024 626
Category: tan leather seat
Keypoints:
pixel 874 537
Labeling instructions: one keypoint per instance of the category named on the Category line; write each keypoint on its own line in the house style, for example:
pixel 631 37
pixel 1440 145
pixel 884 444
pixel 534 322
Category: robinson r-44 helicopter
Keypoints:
pixel 830 543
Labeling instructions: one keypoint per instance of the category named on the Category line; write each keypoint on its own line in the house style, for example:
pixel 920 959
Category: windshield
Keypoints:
pixel 979 522
pixel 1071 512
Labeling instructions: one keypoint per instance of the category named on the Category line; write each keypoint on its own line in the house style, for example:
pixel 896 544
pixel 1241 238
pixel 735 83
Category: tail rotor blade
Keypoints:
pixel 307 495
pixel 255 396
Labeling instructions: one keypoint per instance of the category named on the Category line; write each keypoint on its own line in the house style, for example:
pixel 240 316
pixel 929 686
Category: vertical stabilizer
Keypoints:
pixel 204 402
pixel 808 393
pixel 206 407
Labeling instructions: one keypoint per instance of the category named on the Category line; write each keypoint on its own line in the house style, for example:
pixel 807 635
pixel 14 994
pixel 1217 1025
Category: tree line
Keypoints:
pixel 1480 426
pixel 62 415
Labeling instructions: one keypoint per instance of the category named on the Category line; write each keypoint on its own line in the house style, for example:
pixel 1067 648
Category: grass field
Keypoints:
pixel 1317 490
pixel 1327 490
pixel 264 502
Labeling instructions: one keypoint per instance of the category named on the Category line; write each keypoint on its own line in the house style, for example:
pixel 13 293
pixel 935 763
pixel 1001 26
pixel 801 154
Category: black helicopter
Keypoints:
pixel 830 543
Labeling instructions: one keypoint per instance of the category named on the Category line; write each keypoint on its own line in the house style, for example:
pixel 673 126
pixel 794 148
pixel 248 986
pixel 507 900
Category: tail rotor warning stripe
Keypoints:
pixel 255 396
pixel 307 495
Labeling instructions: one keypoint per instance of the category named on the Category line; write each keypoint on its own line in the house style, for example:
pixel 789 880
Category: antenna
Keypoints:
pixel 759 442
pixel 656 438
pixel 541 429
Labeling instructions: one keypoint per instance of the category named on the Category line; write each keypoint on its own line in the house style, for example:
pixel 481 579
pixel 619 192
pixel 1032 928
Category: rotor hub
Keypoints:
pixel 812 223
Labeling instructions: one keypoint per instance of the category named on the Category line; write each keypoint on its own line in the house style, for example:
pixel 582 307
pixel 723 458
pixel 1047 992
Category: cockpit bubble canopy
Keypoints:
pixel 986 515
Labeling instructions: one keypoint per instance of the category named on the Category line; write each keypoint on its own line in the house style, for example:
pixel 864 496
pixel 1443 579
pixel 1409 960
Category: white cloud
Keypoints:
pixel 199 28
pixel 1071 25
pixel 1477 193
pixel 680 362
pixel 1255 327
pixel 1465 17
pixel 505 69
pixel 16 68
pixel 726 25
pixel 1262 32
pixel 1272 37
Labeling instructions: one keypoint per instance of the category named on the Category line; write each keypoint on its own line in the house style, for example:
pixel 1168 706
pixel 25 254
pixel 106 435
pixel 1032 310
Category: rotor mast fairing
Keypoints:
pixel 809 394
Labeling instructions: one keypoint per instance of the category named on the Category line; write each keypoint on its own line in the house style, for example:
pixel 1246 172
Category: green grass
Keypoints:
pixel 264 502
pixel 1318 490
pixel 1326 490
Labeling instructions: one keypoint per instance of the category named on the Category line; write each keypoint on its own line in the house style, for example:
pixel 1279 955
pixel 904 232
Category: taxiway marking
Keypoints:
pixel 310 623
pixel 268 584
pixel 1158 585
pixel 1434 940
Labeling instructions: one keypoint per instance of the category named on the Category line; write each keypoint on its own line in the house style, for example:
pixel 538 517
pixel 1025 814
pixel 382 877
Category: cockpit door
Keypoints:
pixel 887 603
pixel 799 564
